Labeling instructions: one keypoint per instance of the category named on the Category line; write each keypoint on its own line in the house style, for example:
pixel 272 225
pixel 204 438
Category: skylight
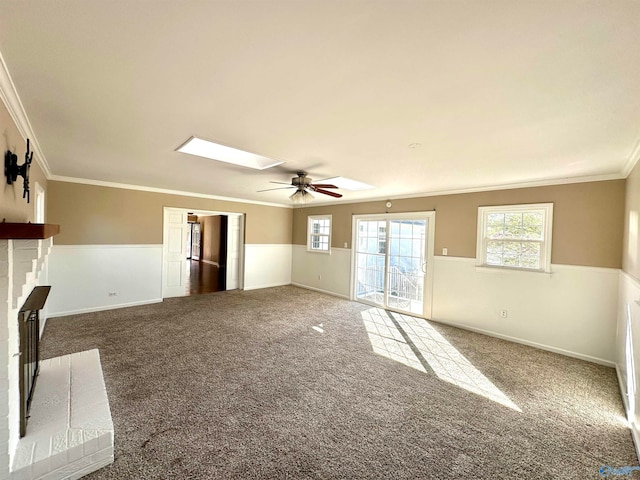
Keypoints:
pixel 214 151
pixel 347 183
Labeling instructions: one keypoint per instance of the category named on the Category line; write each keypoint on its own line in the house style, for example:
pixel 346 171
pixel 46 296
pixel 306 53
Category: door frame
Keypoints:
pixel 241 217
pixel 430 216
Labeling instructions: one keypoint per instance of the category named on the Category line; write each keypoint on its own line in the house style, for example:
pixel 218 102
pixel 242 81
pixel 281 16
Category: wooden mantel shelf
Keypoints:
pixel 27 231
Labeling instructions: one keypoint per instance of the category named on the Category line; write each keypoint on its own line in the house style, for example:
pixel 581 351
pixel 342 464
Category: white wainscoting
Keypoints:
pixel 570 311
pixel 82 276
pixel 627 361
pixel 328 273
pixel 266 265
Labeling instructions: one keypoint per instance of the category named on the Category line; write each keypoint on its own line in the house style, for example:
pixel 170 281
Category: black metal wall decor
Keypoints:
pixel 12 170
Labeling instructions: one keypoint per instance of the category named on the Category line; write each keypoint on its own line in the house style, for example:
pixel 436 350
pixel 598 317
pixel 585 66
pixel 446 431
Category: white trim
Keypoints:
pixel 541 346
pixel 264 245
pixel 326 292
pixel 585 267
pixel 125 186
pixel 545 253
pixel 516 270
pixel 310 219
pixel 267 285
pixel 12 101
pixel 635 435
pixel 455 259
pixel 103 308
pixel 486 188
pixel 115 245
pixel 623 392
pixel 39 194
pixel 634 281
pixel 409 215
pixel 430 216
pixel 632 160
pixel 564 266
pixel 341 249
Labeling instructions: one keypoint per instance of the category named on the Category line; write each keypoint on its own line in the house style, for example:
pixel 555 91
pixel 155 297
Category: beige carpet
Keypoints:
pixel 289 383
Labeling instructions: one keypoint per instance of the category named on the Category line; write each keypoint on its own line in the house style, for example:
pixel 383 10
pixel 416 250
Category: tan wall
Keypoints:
pixel 588 221
pixel 13 207
pixel 210 241
pixel 631 247
pixel 89 214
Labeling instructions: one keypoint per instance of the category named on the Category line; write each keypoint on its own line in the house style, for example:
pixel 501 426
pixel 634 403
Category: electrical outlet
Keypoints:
pixel 346 245
pixel 445 251
pixel 503 313
pixel 112 294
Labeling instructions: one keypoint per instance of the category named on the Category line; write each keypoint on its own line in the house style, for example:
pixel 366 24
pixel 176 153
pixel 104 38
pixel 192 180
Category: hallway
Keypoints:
pixel 202 277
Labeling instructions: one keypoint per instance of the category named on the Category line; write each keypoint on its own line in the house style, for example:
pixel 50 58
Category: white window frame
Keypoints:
pixel 39 204
pixel 545 244
pixel 310 233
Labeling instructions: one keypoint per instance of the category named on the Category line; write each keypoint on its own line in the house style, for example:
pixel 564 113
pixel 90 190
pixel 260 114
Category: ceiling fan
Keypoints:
pixel 304 186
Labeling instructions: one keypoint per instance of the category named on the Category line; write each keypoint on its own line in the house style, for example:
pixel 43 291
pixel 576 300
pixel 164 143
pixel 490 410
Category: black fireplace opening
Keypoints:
pixel 29 330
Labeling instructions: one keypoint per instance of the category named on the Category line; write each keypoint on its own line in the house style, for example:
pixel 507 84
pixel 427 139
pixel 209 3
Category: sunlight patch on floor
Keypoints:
pixel 415 343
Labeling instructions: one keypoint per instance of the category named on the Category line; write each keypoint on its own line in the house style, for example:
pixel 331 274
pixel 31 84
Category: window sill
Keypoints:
pixel 489 269
pixel 325 252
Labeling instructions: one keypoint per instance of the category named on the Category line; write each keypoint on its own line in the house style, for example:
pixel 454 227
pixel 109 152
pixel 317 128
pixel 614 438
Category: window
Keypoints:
pixel 516 236
pixel 319 233
pixel 39 204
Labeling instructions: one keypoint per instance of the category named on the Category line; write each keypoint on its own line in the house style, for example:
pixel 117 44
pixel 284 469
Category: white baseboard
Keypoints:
pixel 257 287
pixel 320 290
pixel 103 308
pixel 568 353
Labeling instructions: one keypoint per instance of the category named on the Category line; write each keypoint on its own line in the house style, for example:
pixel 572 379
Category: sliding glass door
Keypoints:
pixel 392 261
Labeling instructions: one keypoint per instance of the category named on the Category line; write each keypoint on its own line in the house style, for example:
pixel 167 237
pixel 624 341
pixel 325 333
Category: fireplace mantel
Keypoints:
pixel 27 231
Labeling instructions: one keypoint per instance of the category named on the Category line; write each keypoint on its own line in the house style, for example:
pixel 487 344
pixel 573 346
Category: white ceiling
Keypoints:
pixel 496 92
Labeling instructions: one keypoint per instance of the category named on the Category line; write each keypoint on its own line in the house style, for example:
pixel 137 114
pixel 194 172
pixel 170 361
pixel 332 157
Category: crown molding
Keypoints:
pixel 632 160
pixel 141 188
pixel 12 101
pixel 489 188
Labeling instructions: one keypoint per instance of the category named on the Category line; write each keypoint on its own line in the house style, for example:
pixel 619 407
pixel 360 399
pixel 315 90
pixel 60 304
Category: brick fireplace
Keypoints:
pixel 70 432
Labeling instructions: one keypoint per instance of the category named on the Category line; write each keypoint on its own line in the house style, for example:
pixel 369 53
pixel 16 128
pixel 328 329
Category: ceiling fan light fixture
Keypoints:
pixel 301 197
pixel 222 153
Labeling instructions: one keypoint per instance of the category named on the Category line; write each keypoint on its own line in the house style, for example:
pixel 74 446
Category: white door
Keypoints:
pixel 393 261
pixel 234 232
pixel 174 251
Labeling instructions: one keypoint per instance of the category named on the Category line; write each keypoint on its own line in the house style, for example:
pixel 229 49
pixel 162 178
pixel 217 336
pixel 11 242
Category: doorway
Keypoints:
pixel 393 261
pixel 201 253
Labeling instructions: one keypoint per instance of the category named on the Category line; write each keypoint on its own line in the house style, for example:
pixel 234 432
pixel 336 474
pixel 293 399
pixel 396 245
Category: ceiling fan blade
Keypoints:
pixel 327 192
pixel 279 188
pixel 282 183
pixel 324 185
